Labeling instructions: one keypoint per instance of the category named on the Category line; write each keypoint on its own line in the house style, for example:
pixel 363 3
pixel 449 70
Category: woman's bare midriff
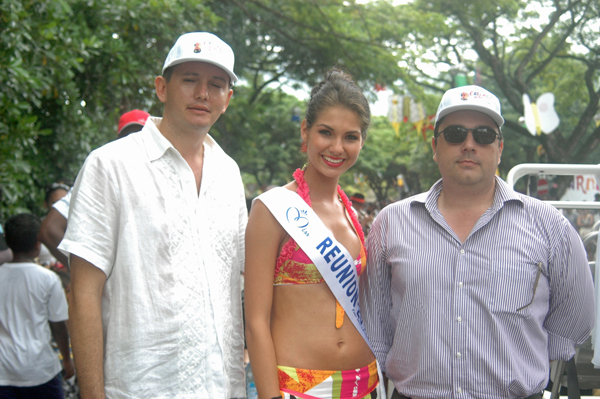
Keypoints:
pixel 304 332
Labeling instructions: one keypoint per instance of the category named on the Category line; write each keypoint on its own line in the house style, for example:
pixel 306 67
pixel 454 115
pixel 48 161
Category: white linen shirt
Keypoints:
pixel 30 296
pixel 171 306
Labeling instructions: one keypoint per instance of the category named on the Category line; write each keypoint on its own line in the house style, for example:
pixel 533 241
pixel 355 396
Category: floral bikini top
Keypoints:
pixel 295 267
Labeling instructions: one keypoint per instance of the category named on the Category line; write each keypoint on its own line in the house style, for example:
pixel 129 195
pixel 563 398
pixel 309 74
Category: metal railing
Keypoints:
pixel 558 170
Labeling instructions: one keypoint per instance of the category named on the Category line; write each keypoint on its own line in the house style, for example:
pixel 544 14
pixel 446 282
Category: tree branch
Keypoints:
pixel 555 17
pixel 552 54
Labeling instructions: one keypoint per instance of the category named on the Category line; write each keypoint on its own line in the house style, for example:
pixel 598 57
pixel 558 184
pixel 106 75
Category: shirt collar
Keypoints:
pixel 502 195
pixel 157 145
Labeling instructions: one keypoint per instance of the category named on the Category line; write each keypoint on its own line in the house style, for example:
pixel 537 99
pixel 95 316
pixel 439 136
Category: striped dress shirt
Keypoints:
pixel 480 318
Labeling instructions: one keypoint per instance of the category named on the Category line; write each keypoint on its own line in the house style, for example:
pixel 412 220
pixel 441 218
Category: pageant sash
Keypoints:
pixel 330 257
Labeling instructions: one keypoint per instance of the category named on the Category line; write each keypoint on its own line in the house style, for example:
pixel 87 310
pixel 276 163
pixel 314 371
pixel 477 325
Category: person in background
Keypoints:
pixel 156 243
pixel 302 339
pixel 358 201
pixel 596 212
pixel 54 224
pixel 131 122
pixel 33 310
pixel 585 222
pixel 571 215
pixel 472 288
pixel 364 218
pixel 54 193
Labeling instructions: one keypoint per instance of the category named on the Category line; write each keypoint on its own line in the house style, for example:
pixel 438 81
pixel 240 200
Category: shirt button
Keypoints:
pixel 459 319
pixel 458 355
pixel 460 284
pixel 462 251
pixel 459 390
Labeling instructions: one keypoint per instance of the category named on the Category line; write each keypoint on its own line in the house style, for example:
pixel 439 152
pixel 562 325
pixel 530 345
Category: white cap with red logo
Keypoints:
pixel 472 98
pixel 205 47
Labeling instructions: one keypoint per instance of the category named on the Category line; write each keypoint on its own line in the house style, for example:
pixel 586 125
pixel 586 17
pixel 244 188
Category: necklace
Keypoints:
pixel 304 192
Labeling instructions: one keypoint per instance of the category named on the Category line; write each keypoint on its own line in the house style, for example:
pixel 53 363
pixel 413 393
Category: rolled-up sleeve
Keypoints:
pixel 93 215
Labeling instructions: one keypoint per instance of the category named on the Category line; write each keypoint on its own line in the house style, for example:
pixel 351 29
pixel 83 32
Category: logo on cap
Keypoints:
pixel 197 48
pixel 474 94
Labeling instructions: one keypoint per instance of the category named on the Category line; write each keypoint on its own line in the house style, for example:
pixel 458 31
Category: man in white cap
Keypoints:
pixel 155 237
pixel 472 288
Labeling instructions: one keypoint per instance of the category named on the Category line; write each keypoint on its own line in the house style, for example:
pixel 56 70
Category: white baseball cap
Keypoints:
pixel 202 46
pixel 472 98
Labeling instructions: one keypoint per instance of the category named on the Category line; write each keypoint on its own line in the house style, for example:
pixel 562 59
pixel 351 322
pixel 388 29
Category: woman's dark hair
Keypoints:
pixel 338 89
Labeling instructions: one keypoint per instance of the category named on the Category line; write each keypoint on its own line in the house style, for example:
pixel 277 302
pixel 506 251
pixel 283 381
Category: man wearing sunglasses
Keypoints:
pixel 472 288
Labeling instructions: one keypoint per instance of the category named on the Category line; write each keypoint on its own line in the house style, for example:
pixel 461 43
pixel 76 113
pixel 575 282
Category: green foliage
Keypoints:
pixel 263 136
pixel 386 155
pixel 69 68
pixel 515 47
pixel 298 40
pixel 36 66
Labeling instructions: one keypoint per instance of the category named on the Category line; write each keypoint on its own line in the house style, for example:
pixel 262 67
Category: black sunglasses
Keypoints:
pixel 456 134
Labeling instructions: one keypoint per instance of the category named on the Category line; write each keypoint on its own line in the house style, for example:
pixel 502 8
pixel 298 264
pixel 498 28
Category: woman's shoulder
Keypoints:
pixel 292 186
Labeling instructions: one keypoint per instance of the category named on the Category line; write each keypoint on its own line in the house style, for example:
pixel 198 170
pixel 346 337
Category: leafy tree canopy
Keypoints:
pixel 518 47
pixel 69 68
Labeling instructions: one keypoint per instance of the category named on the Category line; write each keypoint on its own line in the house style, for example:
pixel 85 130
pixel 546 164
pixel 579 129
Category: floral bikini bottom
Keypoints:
pixel 325 384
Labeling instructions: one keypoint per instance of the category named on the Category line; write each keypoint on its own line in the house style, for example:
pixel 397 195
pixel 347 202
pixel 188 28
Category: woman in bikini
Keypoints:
pixel 300 339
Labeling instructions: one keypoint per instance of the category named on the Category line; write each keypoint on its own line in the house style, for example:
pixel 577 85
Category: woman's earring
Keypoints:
pixel 303 146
